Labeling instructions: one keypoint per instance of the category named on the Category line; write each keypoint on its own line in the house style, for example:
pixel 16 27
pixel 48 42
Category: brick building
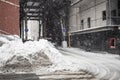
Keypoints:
pixel 9 17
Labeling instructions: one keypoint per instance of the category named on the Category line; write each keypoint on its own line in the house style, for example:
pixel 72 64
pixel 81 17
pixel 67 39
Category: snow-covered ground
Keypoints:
pixel 42 56
pixel 103 65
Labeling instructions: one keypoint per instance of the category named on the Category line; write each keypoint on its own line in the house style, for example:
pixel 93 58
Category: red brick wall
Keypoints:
pixel 9 17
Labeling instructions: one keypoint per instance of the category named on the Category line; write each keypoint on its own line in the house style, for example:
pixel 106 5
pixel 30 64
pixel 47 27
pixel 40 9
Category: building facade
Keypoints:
pixel 95 25
pixel 9 17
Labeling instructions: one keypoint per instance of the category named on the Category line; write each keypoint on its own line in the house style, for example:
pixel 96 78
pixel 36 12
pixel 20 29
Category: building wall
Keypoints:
pixel 93 10
pixel 101 36
pixel 9 17
pixel 74 19
pixel 114 7
pixel 98 41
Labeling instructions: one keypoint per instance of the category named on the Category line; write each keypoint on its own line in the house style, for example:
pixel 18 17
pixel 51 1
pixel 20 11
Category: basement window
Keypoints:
pixel 103 15
pixel 112 43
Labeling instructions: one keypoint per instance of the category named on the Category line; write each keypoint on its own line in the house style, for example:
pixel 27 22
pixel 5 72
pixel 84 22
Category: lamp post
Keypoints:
pixel 63 30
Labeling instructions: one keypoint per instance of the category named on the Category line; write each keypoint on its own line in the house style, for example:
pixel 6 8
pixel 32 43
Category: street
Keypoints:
pixel 51 76
pixel 102 65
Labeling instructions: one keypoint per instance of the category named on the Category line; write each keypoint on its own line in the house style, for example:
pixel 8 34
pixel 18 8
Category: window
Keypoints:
pixel 113 13
pixel 118 7
pixel 82 24
pixel 118 12
pixel 112 43
pixel 103 15
pixel 118 4
pixel 89 22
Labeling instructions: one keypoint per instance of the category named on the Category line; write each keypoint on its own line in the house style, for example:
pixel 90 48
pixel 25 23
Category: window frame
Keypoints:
pixel 104 15
pixel 89 22
pixel 112 43
pixel 82 24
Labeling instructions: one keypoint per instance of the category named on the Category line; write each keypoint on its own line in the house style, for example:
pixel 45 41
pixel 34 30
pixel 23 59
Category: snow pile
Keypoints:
pixel 5 39
pixel 16 56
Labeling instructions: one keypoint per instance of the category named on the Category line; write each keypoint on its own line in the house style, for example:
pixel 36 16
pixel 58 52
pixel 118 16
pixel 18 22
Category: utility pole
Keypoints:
pixel 63 30
pixel 26 29
pixel 41 32
pixel 69 40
